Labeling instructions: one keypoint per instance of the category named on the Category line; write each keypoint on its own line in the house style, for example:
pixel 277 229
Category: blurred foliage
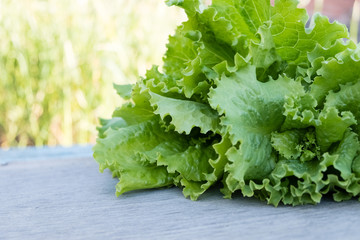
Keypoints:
pixel 59 59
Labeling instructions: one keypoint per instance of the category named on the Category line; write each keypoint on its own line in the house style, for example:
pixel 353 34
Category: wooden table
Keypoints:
pixel 58 193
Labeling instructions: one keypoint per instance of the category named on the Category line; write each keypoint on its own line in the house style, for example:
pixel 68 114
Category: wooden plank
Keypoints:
pixel 44 153
pixel 68 198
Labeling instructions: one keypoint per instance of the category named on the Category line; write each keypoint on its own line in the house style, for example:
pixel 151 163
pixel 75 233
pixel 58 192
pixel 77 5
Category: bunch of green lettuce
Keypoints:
pixel 250 96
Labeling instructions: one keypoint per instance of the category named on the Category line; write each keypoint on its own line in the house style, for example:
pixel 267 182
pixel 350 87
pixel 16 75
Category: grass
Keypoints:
pixel 59 59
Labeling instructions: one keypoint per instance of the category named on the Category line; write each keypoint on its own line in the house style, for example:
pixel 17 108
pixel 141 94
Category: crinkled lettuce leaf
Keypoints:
pixel 248 96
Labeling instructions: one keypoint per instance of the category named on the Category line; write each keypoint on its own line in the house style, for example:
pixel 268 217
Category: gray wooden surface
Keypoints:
pixel 58 193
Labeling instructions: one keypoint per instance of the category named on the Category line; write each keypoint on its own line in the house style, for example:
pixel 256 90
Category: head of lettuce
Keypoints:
pixel 249 96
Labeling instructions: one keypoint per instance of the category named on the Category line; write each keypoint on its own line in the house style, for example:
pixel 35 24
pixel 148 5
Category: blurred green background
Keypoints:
pixel 59 60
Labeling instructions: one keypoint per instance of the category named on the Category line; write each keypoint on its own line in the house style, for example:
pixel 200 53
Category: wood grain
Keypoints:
pixel 67 198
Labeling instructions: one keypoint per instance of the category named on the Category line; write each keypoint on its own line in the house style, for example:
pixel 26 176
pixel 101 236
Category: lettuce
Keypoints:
pixel 247 96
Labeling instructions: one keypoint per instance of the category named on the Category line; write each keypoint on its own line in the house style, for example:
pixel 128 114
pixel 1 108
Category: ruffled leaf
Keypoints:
pixel 250 115
pixel 185 114
pixel 248 95
pixel 343 69
pixel 124 91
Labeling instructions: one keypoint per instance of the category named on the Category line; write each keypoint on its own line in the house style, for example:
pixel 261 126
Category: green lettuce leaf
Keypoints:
pixel 124 91
pixel 185 114
pixel 248 96
pixel 250 114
